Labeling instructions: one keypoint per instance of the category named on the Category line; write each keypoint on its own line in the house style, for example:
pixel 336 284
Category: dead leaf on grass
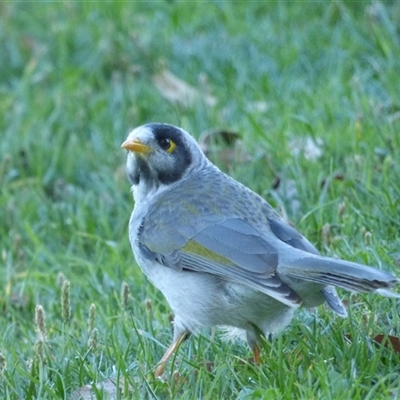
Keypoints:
pixel 178 91
pixel 309 147
pixel 223 147
pixel 108 387
pixel 389 341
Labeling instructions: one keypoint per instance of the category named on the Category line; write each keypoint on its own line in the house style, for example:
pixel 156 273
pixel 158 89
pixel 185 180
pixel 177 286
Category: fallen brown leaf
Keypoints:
pixel 178 91
pixel 388 341
pixel 109 387
pixel 223 147
pixel 310 148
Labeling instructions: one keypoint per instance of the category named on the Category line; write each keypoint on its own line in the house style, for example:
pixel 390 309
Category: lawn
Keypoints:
pixel 308 95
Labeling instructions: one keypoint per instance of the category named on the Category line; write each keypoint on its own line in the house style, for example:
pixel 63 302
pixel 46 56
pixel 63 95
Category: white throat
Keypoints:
pixel 145 189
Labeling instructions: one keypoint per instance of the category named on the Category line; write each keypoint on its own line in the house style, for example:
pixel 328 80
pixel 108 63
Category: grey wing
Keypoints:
pixel 231 249
pixel 290 236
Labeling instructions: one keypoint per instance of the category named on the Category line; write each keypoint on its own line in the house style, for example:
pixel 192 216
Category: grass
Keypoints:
pixel 77 76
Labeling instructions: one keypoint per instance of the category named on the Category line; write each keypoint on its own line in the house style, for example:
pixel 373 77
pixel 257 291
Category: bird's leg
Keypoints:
pixel 254 337
pixel 256 354
pixel 170 351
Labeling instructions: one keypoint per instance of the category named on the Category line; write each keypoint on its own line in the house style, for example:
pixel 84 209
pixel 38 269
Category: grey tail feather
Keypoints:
pixel 334 301
pixel 344 274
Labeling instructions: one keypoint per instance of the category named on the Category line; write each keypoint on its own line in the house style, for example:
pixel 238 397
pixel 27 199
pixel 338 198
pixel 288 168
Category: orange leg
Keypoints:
pixel 256 354
pixel 169 353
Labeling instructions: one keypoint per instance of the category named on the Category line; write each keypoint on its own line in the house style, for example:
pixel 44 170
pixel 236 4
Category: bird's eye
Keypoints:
pixel 167 144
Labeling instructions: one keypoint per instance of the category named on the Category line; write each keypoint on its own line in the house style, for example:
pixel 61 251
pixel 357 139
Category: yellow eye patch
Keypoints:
pixel 171 147
pixel 168 145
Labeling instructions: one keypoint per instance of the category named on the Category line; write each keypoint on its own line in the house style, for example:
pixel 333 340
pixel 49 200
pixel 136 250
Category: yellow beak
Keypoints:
pixel 136 146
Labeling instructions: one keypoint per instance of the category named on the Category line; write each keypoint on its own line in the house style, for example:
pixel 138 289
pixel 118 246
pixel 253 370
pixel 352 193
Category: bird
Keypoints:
pixel 219 253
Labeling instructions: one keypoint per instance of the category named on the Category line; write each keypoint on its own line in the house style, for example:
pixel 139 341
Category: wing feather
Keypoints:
pixel 233 250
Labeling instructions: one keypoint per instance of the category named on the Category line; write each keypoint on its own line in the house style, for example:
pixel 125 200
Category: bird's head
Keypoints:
pixel 160 155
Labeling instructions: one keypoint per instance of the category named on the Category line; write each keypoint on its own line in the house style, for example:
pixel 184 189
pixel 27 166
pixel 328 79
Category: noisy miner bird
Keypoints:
pixel 218 252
